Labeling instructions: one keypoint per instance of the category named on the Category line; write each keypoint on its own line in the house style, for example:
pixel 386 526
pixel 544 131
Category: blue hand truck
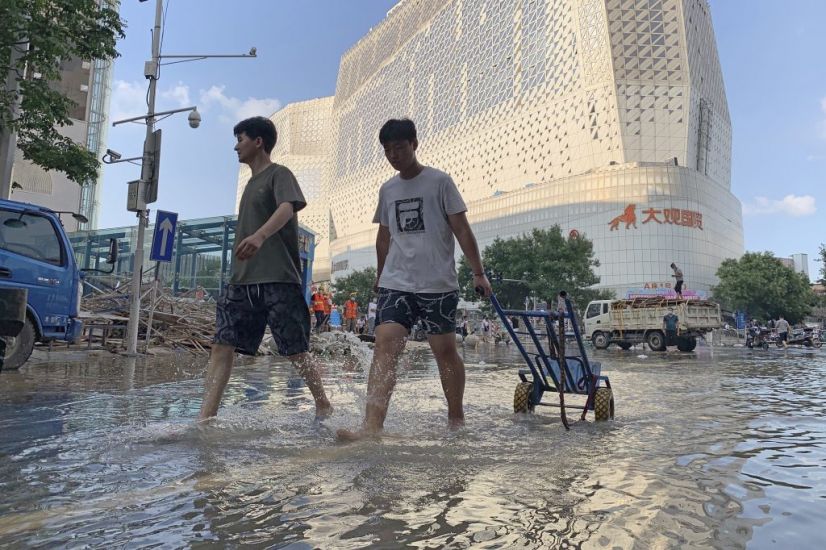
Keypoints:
pixel 549 369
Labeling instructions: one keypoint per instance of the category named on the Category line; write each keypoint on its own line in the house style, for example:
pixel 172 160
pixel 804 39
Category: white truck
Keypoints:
pixel 629 322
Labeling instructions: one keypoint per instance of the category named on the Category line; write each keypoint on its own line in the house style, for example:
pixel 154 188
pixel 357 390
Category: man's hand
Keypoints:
pixel 481 282
pixel 247 248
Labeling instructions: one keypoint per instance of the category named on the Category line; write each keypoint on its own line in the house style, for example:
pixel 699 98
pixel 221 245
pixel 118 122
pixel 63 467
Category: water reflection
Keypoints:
pixel 721 448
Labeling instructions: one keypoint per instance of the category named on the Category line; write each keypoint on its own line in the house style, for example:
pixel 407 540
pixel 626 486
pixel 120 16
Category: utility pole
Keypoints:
pixel 145 189
pixel 151 72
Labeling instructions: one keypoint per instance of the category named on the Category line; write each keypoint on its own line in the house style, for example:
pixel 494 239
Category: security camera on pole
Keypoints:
pixel 145 190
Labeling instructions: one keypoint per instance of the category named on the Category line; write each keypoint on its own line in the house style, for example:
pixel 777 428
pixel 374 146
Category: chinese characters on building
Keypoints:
pixel 675 216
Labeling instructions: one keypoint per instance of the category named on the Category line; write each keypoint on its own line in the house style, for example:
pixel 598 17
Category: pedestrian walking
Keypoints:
pixel 317 303
pixel 265 282
pixel 782 328
pixel 351 311
pixel 371 316
pixel 420 213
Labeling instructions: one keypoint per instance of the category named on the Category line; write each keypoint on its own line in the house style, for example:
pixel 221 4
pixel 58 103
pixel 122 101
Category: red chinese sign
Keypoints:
pixel 673 216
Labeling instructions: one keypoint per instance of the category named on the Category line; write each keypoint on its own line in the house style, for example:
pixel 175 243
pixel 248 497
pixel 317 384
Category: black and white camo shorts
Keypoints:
pixel 244 311
pixel 437 311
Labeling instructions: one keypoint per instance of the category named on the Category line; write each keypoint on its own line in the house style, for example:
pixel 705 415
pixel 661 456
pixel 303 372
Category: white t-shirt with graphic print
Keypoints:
pixel 420 258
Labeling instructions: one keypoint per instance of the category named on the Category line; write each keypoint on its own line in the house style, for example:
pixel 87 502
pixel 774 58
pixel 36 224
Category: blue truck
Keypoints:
pixel 36 255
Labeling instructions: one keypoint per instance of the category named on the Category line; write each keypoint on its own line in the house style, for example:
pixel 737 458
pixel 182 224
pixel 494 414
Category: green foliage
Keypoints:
pixel 209 274
pixel 759 284
pixel 540 264
pixel 55 30
pixel 360 282
pixel 822 253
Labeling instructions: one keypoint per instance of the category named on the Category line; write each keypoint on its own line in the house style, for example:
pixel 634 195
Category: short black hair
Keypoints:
pixel 397 130
pixel 258 127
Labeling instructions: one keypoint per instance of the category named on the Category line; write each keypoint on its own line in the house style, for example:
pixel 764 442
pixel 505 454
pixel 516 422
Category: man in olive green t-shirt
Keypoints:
pixel 265 286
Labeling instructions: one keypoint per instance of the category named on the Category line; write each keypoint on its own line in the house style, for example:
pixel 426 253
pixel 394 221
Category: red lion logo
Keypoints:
pixel 629 216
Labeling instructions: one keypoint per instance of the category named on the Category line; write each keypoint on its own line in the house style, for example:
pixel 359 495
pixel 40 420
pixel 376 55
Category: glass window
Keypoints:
pixel 30 235
pixel 593 311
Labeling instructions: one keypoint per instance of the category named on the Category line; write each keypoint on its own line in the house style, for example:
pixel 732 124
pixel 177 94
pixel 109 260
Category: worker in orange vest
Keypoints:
pixel 317 303
pixel 351 311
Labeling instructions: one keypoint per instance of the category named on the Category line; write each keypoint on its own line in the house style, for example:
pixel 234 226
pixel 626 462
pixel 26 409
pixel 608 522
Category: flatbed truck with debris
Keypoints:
pixel 640 320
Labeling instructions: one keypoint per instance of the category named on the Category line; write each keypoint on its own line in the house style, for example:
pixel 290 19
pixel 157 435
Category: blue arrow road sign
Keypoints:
pixel 163 239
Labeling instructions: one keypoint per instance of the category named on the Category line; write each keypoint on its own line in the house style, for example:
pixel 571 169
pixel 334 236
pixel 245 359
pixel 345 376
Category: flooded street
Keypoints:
pixel 722 448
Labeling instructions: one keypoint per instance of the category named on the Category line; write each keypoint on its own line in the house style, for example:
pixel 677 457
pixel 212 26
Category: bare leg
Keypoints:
pixel 308 368
pixel 452 375
pixel 217 376
pixel 390 341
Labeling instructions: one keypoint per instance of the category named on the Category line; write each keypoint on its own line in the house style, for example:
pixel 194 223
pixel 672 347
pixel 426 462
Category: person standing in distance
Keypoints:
pixel 670 321
pixel 265 285
pixel 678 275
pixel 419 213
pixel 783 329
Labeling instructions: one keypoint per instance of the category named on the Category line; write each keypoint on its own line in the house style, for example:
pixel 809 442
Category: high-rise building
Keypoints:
pixel 87 83
pixel 800 263
pixel 606 117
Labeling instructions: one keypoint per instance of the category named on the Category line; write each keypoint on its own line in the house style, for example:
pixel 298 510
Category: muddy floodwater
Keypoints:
pixel 720 448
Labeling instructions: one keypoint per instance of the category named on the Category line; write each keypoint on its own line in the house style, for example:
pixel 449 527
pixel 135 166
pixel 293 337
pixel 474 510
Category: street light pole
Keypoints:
pixel 149 162
pixel 143 215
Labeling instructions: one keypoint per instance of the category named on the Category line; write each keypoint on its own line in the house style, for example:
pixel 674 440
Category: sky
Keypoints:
pixel 772 61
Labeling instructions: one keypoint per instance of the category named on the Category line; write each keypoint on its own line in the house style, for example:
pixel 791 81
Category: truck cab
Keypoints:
pixel 36 255
pixel 597 317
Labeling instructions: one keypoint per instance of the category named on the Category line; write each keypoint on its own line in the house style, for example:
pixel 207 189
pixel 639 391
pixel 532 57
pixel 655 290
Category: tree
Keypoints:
pixel 538 264
pixel 360 282
pixel 822 253
pixel 759 284
pixel 47 32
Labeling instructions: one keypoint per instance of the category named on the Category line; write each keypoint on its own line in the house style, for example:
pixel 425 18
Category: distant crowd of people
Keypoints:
pixel 351 318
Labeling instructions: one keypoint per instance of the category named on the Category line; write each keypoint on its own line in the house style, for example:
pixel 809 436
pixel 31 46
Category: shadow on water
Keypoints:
pixel 718 448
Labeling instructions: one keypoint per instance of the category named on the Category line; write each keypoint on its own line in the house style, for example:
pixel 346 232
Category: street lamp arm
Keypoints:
pixel 154 115
pixel 108 160
pixel 205 56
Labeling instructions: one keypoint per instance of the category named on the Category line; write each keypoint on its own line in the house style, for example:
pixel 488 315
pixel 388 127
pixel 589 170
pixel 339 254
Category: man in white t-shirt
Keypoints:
pixel 371 316
pixel 420 211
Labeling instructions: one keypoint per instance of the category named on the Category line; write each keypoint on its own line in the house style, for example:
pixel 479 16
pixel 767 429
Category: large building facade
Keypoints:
pixel 606 117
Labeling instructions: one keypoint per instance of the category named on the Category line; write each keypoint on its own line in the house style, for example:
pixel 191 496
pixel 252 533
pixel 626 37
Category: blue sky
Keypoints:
pixel 772 62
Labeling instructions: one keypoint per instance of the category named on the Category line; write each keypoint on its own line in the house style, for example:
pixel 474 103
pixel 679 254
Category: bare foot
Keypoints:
pixel 455 423
pixel 351 436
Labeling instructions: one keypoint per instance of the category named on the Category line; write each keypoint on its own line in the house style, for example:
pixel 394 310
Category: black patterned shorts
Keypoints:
pixel 244 311
pixel 437 311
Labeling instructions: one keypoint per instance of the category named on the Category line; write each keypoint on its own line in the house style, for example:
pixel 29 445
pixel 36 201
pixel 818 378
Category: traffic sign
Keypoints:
pixel 163 239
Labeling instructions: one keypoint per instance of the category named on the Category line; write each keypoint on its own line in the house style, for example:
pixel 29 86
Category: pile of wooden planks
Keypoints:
pixel 183 322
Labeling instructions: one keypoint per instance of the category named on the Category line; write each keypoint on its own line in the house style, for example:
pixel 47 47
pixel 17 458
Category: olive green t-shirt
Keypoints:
pixel 277 260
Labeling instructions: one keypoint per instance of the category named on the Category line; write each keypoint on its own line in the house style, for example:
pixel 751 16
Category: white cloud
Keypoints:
pixel 790 205
pixel 234 109
pixel 179 94
pixel 128 99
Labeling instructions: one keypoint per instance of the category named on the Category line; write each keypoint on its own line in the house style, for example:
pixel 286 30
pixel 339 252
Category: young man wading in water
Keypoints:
pixel 419 212
pixel 265 288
